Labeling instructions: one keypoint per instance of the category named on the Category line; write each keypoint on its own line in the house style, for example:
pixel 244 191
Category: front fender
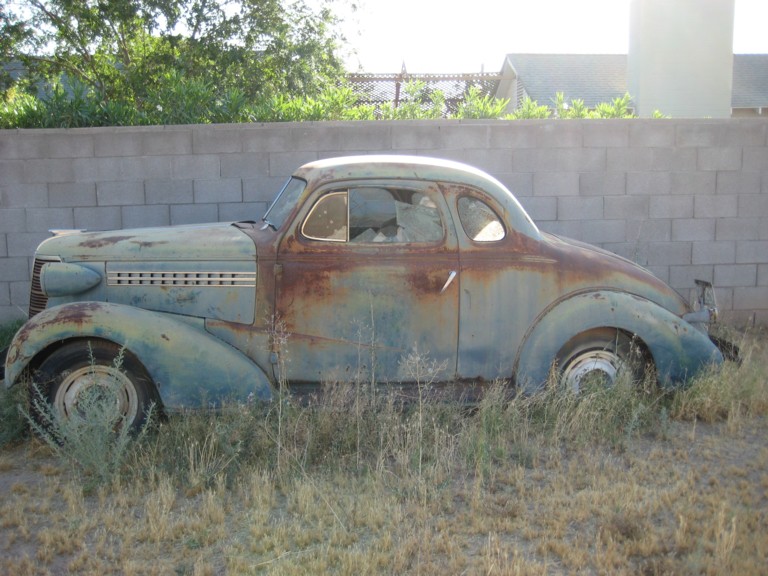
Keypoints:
pixel 678 349
pixel 188 365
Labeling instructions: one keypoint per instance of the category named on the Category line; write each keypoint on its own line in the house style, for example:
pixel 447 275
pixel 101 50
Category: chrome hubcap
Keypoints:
pixel 93 385
pixel 594 367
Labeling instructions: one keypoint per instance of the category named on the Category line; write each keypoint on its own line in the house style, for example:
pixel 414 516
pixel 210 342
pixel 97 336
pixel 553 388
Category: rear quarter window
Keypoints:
pixel 479 221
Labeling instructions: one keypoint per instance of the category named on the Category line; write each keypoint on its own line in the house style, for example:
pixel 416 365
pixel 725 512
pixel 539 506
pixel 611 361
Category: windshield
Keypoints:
pixel 285 202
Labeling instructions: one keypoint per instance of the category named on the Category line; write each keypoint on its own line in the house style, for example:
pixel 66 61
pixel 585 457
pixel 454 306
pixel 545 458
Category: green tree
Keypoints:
pixel 13 32
pixel 126 49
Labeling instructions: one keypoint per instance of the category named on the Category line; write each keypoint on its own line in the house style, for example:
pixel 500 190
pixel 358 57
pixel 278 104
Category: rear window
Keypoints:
pixel 479 220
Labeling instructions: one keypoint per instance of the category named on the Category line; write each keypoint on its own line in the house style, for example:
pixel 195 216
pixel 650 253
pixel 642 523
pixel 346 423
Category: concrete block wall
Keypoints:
pixel 686 198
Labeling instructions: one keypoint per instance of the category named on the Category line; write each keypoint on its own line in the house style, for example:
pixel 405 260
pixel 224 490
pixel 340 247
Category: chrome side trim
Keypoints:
pixel 178 278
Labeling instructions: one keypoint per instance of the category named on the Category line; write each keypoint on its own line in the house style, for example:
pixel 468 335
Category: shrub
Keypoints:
pixel 20 110
pixel 176 99
pixel 529 109
pixel 477 105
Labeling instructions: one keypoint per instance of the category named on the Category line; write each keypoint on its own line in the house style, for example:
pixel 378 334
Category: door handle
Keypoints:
pixel 451 276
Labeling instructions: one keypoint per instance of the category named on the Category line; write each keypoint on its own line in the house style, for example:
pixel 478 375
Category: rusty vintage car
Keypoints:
pixel 358 262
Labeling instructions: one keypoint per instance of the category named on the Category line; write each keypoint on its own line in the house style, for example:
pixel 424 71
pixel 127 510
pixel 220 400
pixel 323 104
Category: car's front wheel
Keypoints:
pixel 602 357
pixel 88 377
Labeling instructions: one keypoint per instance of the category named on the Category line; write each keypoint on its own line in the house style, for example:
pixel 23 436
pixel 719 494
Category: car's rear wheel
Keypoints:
pixel 87 375
pixel 602 357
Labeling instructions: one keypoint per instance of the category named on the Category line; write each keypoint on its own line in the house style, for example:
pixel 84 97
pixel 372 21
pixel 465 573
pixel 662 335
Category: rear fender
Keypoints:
pixel 188 365
pixel 678 349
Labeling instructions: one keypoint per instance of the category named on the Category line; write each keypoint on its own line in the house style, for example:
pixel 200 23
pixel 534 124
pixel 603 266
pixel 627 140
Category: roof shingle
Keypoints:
pixel 597 78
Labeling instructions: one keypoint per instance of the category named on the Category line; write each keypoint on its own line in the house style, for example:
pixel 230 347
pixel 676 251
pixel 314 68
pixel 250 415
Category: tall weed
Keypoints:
pixel 13 425
pixel 12 422
pixel 356 428
pixel 367 428
pixel 730 391
pixel 95 440
pixel 7 331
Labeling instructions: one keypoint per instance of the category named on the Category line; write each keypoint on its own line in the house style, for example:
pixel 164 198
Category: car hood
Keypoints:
pixel 606 270
pixel 212 242
pixel 203 271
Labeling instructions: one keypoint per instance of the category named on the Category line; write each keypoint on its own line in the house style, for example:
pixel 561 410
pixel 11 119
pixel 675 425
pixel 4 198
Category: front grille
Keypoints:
pixel 37 300
pixel 213 279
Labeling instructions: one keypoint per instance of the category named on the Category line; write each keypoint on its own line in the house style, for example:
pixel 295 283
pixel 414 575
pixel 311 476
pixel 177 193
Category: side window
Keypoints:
pixel 392 215
pixel 374 215
pixel 328 219
pixel 479 220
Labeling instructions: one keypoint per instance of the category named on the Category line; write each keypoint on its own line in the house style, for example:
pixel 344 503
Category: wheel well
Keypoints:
pixel 43 355
pixel 46 352
pixel 638 348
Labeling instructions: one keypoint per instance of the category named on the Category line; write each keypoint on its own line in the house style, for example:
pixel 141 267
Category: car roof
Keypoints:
pixel 405 167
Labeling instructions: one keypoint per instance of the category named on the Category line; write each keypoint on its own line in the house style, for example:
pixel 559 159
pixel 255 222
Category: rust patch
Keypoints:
pixel 104 241
pixel 425 282
pixel 13 355
pixel 101 242
pixel 77 314
pixel 306 281
pixel 144 244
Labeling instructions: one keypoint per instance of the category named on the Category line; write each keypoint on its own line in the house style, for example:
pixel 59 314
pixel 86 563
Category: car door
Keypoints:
pixel 502 284
pixel 365 280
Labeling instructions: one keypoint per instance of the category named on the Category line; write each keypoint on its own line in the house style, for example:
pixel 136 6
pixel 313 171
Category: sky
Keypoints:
pixel 440 36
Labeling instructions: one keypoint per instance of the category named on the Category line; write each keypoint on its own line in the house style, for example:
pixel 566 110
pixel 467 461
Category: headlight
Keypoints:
pixel 62 279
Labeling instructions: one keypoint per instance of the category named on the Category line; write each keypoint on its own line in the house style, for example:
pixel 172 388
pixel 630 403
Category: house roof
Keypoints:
pixel 597 78
pixel 750 81
pixel 594 78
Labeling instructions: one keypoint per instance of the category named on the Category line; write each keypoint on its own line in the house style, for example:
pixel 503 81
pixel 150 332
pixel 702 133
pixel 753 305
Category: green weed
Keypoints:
pixel 7 331
pixel 728 392
pixel 12 423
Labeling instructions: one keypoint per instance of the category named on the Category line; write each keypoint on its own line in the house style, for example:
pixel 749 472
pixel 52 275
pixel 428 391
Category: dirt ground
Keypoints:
pixel 694 502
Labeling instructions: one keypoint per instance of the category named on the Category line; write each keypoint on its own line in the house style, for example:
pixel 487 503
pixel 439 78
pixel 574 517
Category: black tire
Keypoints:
pixel 78 367
pixel 604 356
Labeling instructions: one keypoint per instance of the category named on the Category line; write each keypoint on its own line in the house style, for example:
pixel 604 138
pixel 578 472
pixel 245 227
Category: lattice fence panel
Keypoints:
pixel 378 89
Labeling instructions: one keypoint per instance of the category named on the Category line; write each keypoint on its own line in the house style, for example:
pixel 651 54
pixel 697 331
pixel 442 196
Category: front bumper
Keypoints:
pixel 705 308
pixel 705 314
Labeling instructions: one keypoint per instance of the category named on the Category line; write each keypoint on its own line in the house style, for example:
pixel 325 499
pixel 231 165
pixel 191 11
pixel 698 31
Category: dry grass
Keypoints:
pixel 613 483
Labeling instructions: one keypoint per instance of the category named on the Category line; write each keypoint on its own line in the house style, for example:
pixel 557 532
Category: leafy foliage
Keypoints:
pixel 617 108
pixel 420 102
pixel 178 99
pixel 127 50
pixel 478 105
pixel 530 109
pixel 137 62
